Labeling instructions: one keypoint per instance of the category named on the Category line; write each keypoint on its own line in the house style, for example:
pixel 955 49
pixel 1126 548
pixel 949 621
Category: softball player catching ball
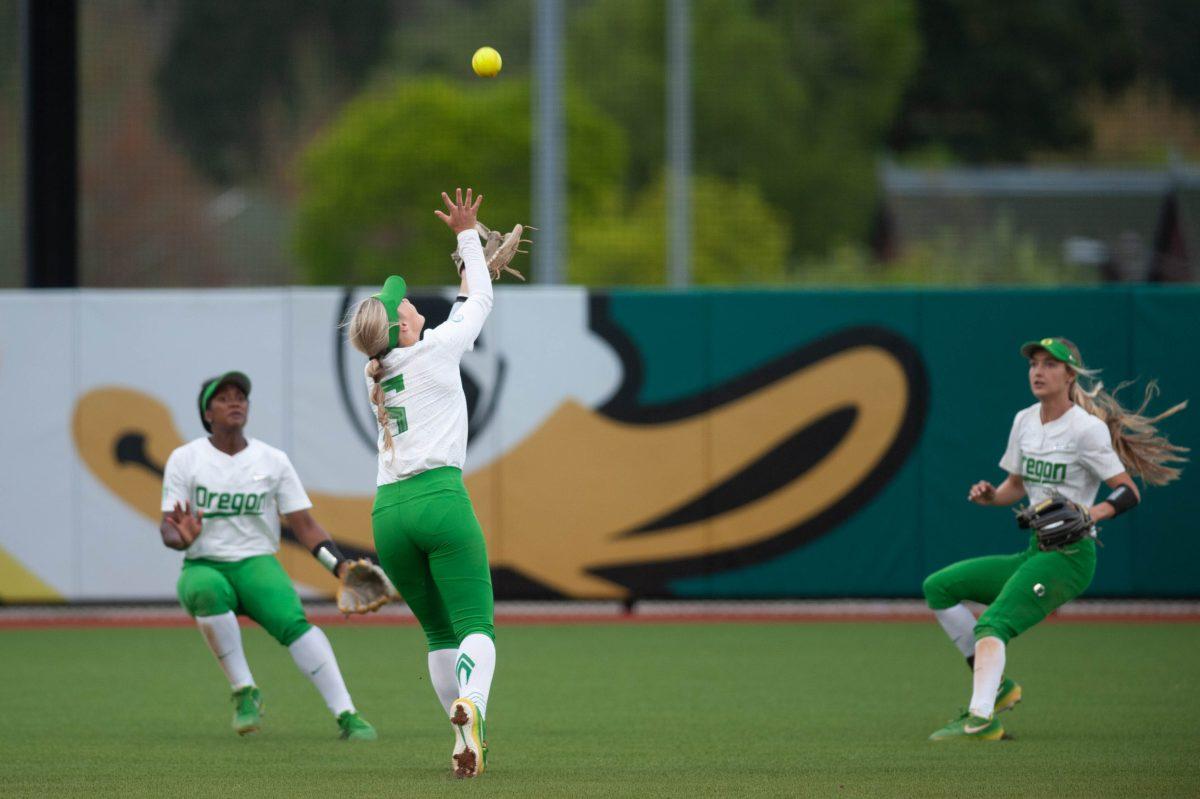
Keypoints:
pixel 426 534
pixel 222 496
pixel 1059 451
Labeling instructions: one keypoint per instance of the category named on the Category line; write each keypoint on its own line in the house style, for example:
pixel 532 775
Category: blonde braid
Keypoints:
pixel 368 333
pixel 374 370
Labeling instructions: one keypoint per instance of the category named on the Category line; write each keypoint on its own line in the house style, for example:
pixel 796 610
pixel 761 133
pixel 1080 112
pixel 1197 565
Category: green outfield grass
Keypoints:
pixel 611 710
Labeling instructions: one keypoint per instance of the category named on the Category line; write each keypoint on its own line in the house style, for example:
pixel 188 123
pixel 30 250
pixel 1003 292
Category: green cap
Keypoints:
pixel 392 293
pixel 209 387
pixel 1055 346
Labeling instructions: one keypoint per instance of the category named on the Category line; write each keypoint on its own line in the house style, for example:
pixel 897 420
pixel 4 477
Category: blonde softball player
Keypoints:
pixel 1059 451
pixel 222 497
pixel 426 534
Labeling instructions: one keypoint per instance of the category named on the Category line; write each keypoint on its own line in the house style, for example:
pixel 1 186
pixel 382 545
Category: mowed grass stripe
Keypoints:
pixel 610 710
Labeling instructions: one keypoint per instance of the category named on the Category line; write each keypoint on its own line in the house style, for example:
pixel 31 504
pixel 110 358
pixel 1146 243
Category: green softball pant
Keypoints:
pixel 432 548
pixel 1020 590
pixel 257 587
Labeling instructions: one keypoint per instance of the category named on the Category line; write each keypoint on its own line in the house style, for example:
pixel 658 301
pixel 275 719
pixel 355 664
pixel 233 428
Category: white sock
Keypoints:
pixel 474 667
pixel 959 624
pixel 224 638
pixel 441 676
pixel 989 670
pixel 314 657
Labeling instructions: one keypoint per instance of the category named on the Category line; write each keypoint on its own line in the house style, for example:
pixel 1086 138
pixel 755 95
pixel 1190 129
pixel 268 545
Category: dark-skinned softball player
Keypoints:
pixel 222 497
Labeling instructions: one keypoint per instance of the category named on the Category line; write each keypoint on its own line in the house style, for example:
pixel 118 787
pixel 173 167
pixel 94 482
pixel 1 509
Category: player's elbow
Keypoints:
pixel 484 299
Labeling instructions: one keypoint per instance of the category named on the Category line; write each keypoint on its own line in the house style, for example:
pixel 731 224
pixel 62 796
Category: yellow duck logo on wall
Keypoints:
pixel 617 501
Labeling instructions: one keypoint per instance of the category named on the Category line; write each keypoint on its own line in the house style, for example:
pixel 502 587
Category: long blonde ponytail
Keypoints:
pixel 1145 452
pixel 368 333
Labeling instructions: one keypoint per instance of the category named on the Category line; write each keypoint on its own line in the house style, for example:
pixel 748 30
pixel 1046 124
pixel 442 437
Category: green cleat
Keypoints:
pixel 1007 695
pixel 355 728
pixel 247 710
pixel 483 739
pixel 967 726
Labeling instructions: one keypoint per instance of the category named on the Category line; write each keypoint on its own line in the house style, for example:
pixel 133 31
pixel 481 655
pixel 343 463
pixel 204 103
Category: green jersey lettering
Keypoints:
pixel 398 414
pixel 400 417
pixel 1046 472
pixel 223 504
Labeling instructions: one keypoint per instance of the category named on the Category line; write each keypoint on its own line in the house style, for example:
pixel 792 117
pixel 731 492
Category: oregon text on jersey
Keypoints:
pixel 216 504
pixel 1039 471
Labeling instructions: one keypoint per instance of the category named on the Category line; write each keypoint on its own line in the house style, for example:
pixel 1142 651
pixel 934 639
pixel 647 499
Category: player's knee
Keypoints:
pixel 991 628
pixel 203 597
pixel 441 639
pixel 937 594
pixel 291 630
pixel 480 626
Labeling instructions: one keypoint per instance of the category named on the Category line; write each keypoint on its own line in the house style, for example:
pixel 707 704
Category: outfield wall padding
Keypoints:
pixel 624 444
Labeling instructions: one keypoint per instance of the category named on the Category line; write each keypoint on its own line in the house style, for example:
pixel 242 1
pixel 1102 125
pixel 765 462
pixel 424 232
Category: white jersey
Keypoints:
pixel 1069 456
pixel 241 496
pixel 422 384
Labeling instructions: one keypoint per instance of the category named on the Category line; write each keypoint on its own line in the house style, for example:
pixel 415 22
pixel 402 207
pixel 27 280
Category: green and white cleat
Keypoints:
pixel 1007 695
pixel 355 728
pixel 247 710
pixel 970 727
pixel 470 750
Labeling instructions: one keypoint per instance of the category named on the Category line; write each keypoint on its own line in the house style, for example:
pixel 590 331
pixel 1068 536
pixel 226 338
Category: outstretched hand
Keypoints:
pixel 462 214
pixel 185 523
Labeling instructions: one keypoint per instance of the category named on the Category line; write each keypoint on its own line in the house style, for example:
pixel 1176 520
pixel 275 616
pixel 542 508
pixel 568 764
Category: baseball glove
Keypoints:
pixel 364 588
pixel 1057 522
pixel 498 250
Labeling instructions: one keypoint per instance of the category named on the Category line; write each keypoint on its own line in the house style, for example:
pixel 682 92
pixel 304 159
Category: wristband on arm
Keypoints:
pixel 1122 499
pixel 328 555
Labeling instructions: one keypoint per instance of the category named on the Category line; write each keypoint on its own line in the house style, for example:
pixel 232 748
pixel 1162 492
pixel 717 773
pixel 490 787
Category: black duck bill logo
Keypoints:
pixel 618 501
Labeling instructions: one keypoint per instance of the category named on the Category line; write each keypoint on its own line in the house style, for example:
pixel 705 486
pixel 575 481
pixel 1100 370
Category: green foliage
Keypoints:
pixel 10 36
pixel 999 81
pixel 737 239
pixel 372 181
pixel 438 37
pixel 1002 256
pixel 228 64
pixel 1169 31
pixel 794 97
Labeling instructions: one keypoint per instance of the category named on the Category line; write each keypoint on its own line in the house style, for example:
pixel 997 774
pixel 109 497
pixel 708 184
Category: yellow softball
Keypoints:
pixel 486 62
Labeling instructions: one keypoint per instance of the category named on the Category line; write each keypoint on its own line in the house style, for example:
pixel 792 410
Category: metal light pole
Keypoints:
pixel 549 180
pixel 679 143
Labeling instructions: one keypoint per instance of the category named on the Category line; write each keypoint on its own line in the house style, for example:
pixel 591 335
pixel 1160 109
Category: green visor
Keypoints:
pixel 1054 346
pixel 210 387
pixel 392 293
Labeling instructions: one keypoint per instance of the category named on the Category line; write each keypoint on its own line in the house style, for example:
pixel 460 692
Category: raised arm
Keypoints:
pixel 466 321
pixel 462 216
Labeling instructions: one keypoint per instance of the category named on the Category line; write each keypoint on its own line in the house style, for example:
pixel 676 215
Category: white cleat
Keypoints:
pixel 469 755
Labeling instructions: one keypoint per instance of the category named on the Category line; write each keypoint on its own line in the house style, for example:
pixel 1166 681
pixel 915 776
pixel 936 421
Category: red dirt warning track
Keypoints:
pixel 574 613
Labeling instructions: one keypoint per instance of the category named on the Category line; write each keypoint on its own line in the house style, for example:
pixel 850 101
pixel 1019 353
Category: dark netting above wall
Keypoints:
pixel 11 147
